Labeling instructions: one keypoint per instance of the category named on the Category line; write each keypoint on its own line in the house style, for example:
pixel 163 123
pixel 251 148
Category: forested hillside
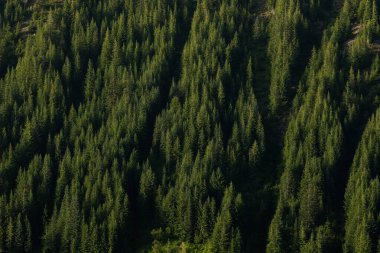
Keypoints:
pixel 190 126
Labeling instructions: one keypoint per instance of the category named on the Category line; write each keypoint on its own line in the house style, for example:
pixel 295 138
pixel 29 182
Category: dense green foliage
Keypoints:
pixel 189 126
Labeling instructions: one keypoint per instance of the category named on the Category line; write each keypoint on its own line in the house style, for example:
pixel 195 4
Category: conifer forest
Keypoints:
pixel 211 126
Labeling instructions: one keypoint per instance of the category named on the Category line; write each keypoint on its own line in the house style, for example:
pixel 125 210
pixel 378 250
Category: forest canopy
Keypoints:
pixel 218 126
